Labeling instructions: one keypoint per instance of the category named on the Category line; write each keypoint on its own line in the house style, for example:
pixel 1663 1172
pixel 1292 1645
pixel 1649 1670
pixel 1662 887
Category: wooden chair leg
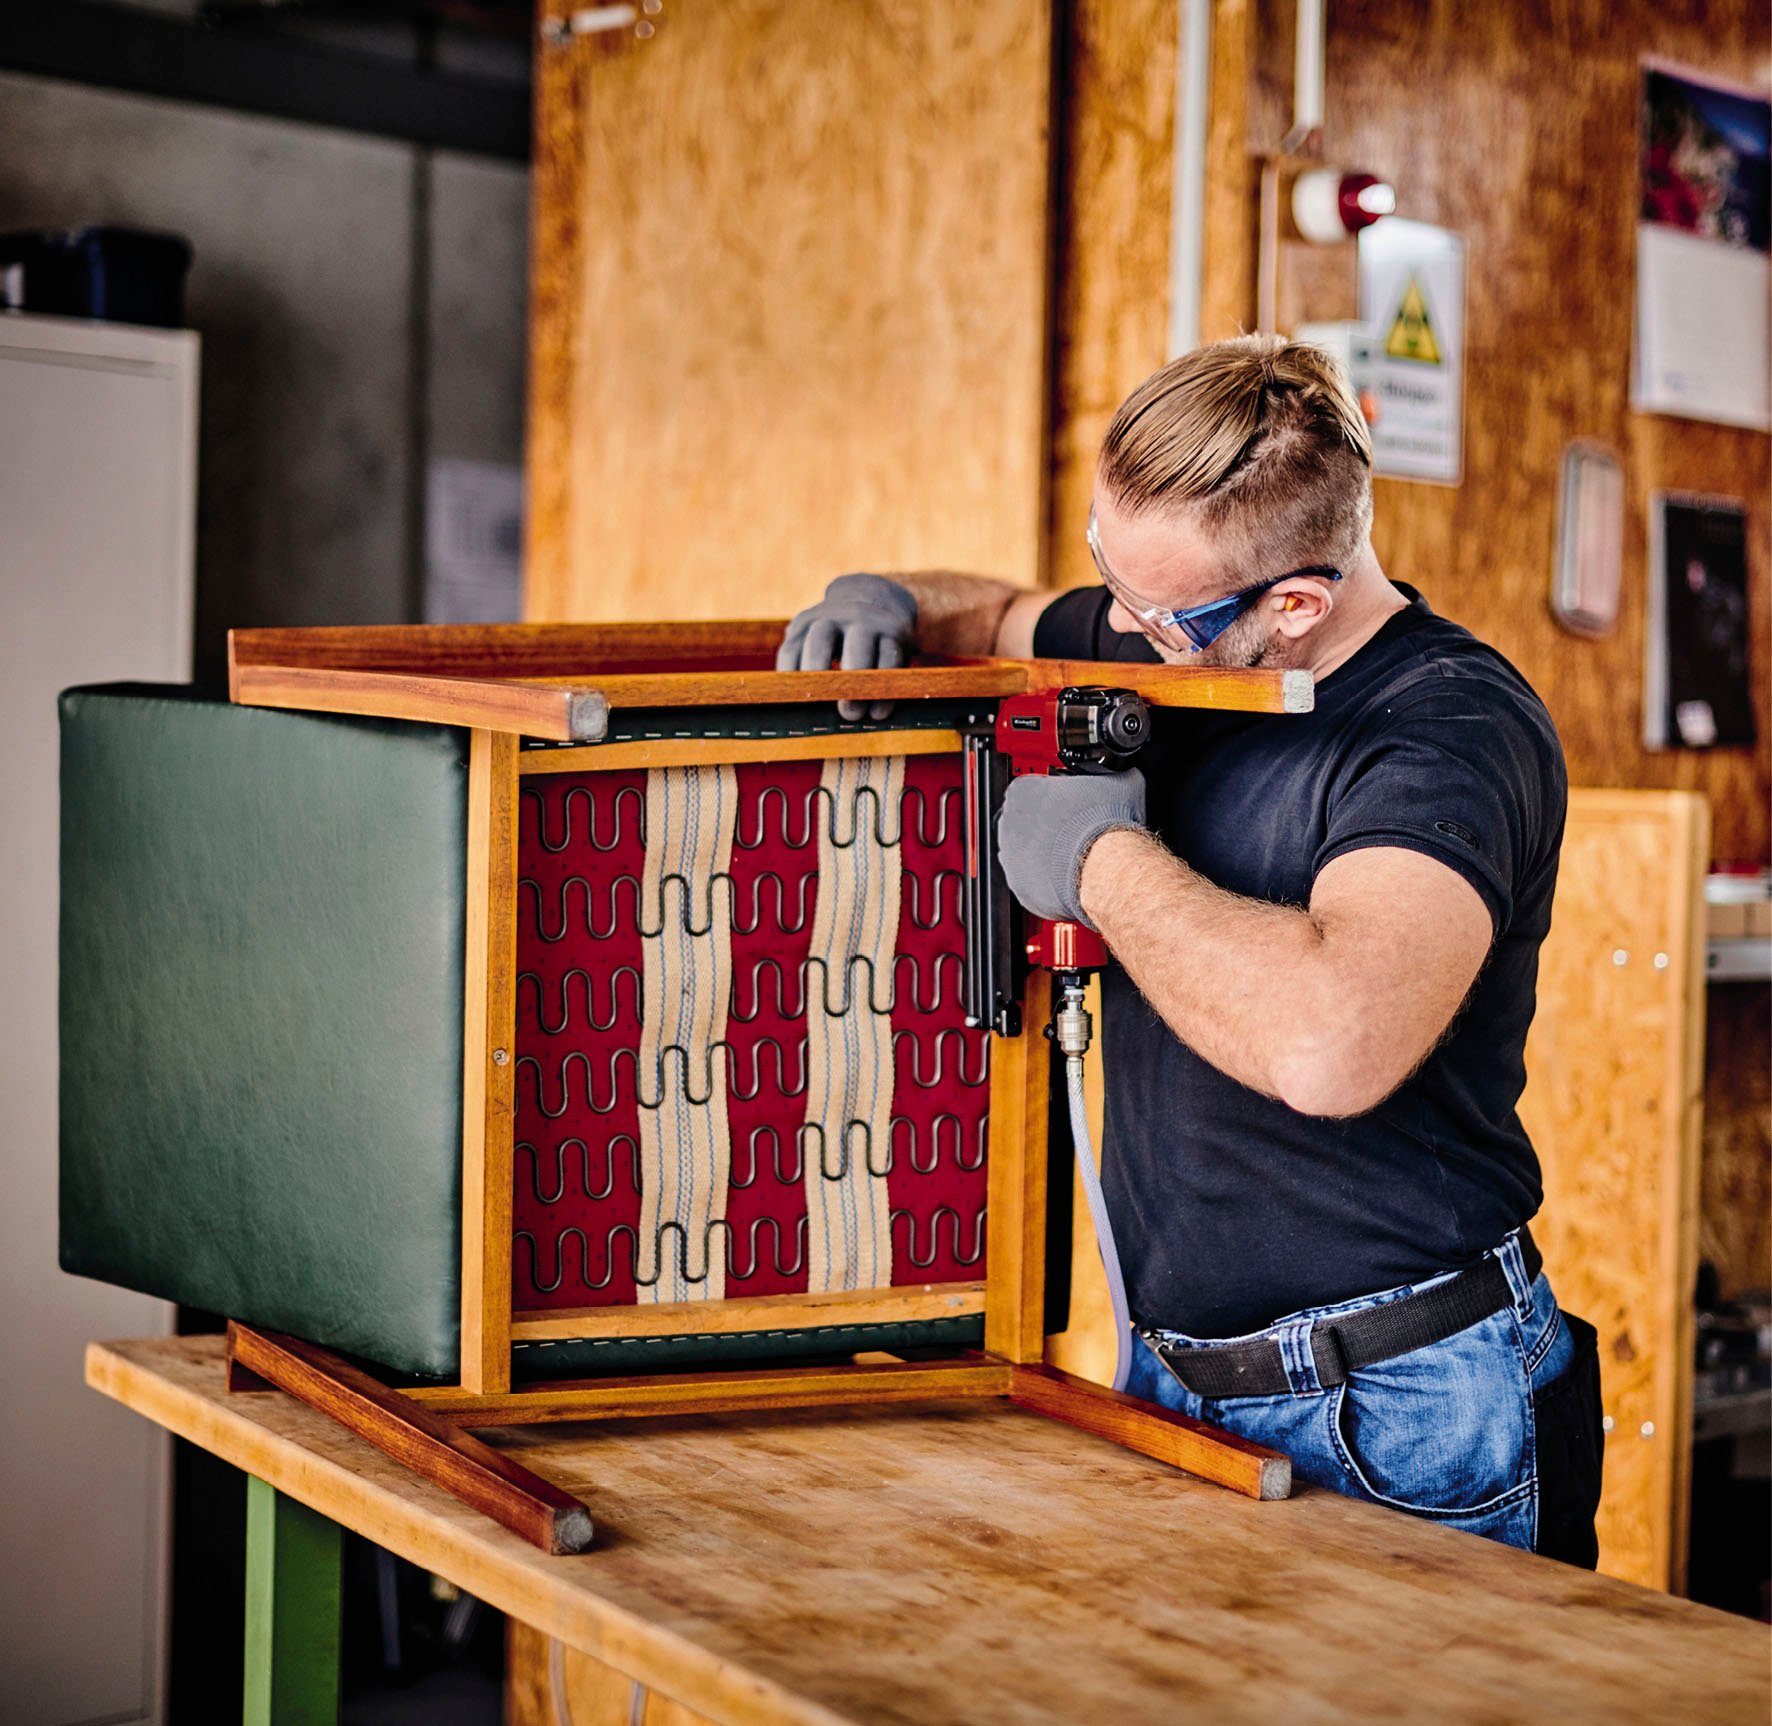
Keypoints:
pixel 1190 1445
pixel 461 1464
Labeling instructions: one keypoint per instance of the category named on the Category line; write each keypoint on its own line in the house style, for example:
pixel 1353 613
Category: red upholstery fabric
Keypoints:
pixel 579 956
pixel 580 849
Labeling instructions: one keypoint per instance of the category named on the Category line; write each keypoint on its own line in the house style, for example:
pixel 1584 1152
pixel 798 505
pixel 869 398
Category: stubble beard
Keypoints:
pixel 1249 642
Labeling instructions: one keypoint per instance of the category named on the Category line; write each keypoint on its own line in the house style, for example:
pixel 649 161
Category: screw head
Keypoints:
pixel 500 1057
pixel 1606 1423
pixel 1620 956
pixel 1647 1429
pixel 1660 961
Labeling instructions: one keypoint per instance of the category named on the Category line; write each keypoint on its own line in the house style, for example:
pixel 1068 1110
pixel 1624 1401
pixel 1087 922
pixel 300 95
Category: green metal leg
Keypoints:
pixel 292 1584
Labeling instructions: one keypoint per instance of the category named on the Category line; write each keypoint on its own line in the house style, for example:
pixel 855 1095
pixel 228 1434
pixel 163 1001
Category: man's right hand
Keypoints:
pixel 863 622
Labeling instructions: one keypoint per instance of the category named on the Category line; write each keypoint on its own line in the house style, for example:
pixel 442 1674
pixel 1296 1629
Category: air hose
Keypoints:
pixel 1072 1030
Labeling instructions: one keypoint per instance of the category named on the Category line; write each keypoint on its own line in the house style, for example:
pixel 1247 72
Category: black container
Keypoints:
pixel 123 275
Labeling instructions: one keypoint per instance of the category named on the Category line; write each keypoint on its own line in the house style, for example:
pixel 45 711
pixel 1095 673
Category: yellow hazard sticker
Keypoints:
pixel 1412 330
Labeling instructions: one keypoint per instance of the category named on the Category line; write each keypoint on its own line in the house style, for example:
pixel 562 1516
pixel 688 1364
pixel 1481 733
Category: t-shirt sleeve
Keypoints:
pixel 1075 626
pixel 1465 772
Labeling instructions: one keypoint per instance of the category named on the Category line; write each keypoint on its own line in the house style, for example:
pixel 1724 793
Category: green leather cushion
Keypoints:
pixel 261 1015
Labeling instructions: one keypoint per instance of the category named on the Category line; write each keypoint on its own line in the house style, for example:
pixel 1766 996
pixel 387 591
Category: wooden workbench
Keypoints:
pixel 969 1563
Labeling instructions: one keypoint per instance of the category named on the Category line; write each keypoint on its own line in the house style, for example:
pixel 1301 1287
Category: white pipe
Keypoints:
pixel 1104 1230
pixel 1187 202
pixel 1309 51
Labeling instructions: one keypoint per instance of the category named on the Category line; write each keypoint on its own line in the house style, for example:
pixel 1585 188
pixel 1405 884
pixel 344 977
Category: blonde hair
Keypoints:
pixel 1257 438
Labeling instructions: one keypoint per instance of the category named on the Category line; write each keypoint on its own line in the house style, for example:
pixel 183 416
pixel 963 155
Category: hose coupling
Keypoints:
pixel 1072 1028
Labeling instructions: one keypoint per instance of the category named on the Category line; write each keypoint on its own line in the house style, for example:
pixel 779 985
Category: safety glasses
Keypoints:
pixel 1195 627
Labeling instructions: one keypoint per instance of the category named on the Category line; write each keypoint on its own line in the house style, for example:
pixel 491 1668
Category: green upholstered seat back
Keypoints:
pixel 261 1015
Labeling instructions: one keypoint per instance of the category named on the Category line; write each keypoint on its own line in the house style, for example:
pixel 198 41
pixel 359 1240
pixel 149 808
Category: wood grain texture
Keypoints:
pixel 1614 1064
pixel 709 751
pixel 760 1312
pixel 1227 290
pixel 513 650
pixel 562 715
pixel 559 682
pixel 546 1682
pixel 1111 288
pixel 795 321
pixel 965 1563
pixel 483 1478
pixel 1015 1215
pixel 1516 124
pixel 1190 1445
pixel 488 1071
pixel 1087 1345
pixel 1228 687
pixel 1735 1206
pixel 753 1389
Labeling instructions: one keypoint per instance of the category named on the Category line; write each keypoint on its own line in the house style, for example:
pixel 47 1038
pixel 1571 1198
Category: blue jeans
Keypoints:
pixel 1448 1432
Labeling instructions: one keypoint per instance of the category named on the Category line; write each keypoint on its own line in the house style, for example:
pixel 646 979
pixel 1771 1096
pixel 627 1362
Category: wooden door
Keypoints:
pixel 789 303
pixel 1613 1101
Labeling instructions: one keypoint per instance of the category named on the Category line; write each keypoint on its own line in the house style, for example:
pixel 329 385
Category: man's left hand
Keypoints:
pixel 1046 829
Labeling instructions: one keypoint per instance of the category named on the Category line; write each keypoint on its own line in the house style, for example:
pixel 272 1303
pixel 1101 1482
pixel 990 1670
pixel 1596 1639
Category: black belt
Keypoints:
pixel 1340 1346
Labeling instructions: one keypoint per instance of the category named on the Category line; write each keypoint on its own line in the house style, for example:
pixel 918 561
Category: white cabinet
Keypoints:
pixel 98 440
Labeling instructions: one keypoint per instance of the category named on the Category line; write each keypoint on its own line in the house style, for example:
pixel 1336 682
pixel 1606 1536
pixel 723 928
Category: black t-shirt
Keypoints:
pixel 1231 1209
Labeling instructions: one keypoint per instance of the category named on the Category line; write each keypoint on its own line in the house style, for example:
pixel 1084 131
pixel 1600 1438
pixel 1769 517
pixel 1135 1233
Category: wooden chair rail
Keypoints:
pixel 473 1471
pixel 559 682
pixel 424 1428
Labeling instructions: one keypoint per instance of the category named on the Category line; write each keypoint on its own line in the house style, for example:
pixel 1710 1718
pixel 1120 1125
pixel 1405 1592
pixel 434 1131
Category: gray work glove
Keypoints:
pixel 1047 826
pixel 863 622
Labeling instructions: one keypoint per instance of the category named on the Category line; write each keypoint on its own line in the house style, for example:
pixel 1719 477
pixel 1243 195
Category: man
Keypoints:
pixel 1326 931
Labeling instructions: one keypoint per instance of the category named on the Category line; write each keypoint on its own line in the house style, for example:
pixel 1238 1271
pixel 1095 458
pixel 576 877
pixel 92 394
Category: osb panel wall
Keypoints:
pixel 1516 124
pixel 1615 1064
pixel 791 304
pixel 1117 141
pixel 1116 178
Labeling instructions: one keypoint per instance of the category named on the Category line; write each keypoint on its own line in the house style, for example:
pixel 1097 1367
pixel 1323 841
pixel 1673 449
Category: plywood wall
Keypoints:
pixel 1111 289
pixel 791 304
pixel 1616 1069
pixel 1515 123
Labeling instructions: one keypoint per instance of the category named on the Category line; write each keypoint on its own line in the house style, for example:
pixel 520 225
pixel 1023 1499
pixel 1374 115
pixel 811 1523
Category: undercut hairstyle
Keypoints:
pixel 1257 439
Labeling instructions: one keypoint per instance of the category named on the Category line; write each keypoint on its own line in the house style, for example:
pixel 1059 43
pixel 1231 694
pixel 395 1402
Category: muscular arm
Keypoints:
pixel 974 614
pixel 1328 1008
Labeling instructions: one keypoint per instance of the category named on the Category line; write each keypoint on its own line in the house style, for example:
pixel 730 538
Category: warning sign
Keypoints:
pixel 1412 330
pixel 1412 307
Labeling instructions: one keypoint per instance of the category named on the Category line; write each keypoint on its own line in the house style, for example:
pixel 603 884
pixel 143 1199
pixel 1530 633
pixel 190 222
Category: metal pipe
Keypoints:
pixel 1187 205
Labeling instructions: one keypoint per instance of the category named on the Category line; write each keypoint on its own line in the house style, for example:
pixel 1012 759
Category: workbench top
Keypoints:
pixel 971 1563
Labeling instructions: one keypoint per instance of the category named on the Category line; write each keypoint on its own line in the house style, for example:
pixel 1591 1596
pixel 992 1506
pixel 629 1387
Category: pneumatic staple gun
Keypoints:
pixel 1066 730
